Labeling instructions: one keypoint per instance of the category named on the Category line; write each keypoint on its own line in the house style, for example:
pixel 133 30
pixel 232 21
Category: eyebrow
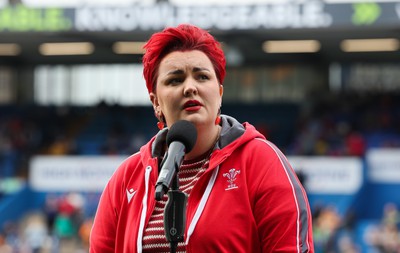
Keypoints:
pixel 179 71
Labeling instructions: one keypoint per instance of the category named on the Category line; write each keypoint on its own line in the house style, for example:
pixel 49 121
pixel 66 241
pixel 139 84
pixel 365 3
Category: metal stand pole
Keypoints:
pixel 175 215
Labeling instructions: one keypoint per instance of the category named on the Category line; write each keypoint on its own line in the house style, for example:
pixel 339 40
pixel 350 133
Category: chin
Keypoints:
pixel 198 120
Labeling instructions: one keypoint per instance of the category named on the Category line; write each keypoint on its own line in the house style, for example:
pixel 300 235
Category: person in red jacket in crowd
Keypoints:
pixel 243 195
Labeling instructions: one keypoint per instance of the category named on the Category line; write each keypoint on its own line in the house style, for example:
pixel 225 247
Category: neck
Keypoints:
pixel 206 140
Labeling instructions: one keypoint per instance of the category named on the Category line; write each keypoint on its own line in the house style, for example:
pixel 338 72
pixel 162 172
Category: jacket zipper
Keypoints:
pixel 202 204
pixel 144 209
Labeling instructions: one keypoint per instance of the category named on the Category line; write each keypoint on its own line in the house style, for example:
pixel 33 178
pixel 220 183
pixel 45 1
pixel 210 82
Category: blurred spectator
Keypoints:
pixel 61 146
pixel 35 233
pixel 385 236
pixel 4 246
pixel 355 144
pixel 51 209
pixel 84 232
pixel 325 225
pixel 346 245
pixel 69 216
pixel 11 235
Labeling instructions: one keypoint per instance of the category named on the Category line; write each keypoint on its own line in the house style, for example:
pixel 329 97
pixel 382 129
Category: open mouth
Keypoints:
pixel 192 105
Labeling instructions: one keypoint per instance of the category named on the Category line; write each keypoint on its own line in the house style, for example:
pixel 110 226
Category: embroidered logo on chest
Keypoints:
pixel 231 176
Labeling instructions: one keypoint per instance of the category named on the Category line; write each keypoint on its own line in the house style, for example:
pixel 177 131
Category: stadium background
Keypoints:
pixel 70 115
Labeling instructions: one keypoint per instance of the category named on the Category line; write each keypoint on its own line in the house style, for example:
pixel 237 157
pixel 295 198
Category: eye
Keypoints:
pixel 203 77
pixel 174 81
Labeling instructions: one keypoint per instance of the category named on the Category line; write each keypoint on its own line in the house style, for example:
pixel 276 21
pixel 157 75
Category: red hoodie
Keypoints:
pixel 248 200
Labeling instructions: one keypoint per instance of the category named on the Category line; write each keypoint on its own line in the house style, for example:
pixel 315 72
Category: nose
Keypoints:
pixel 190 88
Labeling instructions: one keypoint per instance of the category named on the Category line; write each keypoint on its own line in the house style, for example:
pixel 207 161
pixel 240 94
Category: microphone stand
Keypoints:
pixel 175 215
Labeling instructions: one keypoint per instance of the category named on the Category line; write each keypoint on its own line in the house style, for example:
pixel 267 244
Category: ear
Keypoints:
pixel 154 101
pixel 221 90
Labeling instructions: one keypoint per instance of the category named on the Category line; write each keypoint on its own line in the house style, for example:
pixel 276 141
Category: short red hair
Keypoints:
pixel 181 38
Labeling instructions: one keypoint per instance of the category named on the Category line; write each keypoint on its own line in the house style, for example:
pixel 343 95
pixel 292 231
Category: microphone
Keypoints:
pixel 181 138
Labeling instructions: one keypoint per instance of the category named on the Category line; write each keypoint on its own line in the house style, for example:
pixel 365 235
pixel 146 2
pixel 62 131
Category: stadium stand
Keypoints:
pixel 343 126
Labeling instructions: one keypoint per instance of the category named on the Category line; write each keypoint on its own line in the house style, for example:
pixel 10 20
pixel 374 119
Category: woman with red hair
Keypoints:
pixel 242 194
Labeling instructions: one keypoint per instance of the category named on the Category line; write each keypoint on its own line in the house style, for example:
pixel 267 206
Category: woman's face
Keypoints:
pixel 187 88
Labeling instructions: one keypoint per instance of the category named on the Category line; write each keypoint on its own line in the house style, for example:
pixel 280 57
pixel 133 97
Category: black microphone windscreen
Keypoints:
pixel 183 131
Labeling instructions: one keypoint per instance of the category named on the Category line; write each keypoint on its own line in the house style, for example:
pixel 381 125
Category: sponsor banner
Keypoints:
pixel 72 173
pixel 329 175
pixel 135 17
pixel 243 17
pixel 384 165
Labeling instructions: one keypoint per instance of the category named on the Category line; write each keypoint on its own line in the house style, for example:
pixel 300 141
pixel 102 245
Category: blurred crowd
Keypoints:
pixel 31 130
pixel 336 234
pixel 61 226
pixel 347 125
pixel 34 130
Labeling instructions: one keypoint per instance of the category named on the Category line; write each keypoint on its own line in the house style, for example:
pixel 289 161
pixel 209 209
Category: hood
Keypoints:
pixel 233 135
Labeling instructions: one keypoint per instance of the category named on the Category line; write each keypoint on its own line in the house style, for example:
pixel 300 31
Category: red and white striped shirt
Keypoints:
pixel 154 239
